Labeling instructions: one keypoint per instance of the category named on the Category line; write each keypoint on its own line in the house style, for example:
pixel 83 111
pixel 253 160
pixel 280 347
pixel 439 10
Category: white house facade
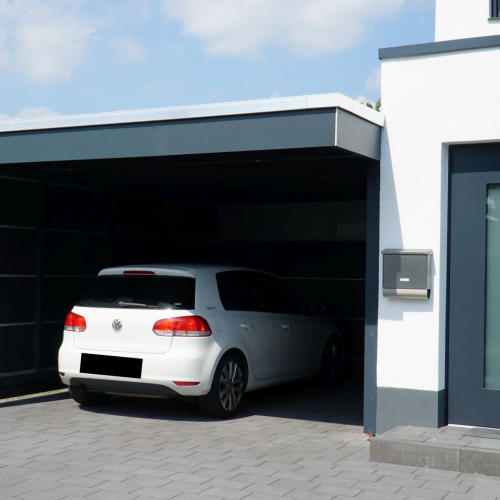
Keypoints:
pixel 440 164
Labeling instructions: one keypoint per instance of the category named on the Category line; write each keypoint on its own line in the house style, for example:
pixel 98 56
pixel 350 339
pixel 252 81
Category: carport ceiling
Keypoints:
pixel 314 147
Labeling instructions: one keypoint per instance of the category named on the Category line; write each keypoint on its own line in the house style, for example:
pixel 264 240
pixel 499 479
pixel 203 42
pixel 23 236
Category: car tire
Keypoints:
pixel 331 365
pixel 88 398
pixel 227 393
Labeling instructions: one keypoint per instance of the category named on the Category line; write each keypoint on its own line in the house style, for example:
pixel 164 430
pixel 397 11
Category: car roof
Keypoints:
pixel 187 269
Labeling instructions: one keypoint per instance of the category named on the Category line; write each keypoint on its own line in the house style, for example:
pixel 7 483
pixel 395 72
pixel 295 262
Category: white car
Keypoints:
pixel 194 330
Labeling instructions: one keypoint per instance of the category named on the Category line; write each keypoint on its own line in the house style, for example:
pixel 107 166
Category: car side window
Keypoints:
pixel 227 297
pixel 281 297
pixel 246 294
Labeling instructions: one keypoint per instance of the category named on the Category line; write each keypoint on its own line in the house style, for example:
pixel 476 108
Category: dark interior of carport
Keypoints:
pixel 300 213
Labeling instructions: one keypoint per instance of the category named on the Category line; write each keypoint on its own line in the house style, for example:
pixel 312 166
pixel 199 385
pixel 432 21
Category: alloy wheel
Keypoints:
pixel 231 386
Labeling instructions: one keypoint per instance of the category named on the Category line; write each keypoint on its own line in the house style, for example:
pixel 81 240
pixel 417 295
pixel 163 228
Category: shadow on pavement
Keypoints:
pixel 300 400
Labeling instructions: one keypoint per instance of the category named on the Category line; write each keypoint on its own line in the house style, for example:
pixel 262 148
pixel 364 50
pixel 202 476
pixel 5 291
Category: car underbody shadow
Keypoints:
pixel 300 400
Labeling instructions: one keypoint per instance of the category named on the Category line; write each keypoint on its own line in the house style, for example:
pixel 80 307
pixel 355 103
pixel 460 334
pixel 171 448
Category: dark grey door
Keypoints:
pixel 474 286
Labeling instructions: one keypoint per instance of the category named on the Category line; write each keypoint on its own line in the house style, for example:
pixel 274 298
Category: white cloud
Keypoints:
pixel 44 40
pixel 307 27
pixel 127 49
pixel 30 113
pixel 373 80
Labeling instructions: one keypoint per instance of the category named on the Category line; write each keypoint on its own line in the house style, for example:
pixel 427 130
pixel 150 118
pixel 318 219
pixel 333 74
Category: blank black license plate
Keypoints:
pixel 114 366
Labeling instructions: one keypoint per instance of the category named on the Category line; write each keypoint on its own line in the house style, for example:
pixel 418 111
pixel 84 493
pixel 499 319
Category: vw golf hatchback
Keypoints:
pixel 201 331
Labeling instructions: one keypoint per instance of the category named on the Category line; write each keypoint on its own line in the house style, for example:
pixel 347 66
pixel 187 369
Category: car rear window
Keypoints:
pixel 141 292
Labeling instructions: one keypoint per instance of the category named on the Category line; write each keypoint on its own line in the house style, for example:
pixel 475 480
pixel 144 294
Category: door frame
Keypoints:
pixel 460 157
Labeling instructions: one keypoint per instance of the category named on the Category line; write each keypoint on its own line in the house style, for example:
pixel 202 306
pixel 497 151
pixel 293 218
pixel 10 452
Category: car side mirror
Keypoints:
pixel 317 309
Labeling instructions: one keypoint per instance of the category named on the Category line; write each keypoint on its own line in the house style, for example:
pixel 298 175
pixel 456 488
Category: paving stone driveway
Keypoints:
pixel 290 442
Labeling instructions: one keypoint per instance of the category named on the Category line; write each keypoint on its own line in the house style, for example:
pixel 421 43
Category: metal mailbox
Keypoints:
pixel 407 274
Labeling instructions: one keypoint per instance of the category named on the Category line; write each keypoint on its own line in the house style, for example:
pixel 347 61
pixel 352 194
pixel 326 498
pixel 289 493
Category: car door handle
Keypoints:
pixel 286 327
pixel 246 326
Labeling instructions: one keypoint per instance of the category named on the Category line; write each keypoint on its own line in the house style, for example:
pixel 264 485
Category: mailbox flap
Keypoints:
pixel 405 271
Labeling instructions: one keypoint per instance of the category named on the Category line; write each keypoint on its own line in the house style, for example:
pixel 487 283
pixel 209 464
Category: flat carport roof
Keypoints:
pixel 330 120
pixel 330 126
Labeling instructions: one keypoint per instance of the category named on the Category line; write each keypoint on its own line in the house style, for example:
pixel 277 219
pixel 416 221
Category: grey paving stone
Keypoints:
pixel 152 482
pixel 47 476
pixel 155 493
pixel 335 481
pixel 216 474
pixel 379 486
pixel 380 495
pixel 311 495
pixel 190 496
pixel 459 496
pixel 422 493
pixel 277 491
pixel 14 491
pixel 161 474
pixel 110 495
pixel 188 478
pixel 83 481
pixel 441 484
pixel 72 489
pixel 185 487
pixel 42 495
pixel 338 490
pixel 259 471
pixel 290 484
pixel 228 484
pixel 253 478
pixel 38 484
pixel 226 493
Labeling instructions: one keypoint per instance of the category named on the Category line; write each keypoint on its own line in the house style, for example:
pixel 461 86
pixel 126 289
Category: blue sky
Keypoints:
pixel 86 56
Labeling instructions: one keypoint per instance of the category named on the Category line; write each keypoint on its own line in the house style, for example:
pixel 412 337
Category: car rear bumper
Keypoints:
pixel 189 360
pixel 123 387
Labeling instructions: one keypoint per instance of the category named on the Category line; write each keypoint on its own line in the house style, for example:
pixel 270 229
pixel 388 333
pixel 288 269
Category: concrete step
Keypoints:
pixel 446 448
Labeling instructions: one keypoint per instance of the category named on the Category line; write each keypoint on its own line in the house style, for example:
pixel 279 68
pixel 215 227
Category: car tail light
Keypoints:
pixel 75 323
pixel 185 326
pixel 186 384
pixel 148 273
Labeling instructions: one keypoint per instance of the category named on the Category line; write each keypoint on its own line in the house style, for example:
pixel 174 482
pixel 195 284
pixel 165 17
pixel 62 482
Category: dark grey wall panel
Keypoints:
pixel 309 221
pixel 17 296
pixel 17 349
pixel 73 209
pixel 18 203
pixel 272 131
pixel 18 253
pixel 134 249
pixel 52 336
pixel 60 295
pixel 409 407
pixel 72 253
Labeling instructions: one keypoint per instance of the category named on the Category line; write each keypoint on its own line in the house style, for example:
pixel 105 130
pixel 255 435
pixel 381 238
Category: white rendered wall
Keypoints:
pixel 464 19
pixel 429 102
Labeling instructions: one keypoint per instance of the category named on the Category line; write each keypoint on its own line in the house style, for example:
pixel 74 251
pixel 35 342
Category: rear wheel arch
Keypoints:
pixel 242 355
pixel 337 339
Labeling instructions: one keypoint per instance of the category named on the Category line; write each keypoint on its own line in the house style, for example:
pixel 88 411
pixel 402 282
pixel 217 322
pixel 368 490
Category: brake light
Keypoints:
pixel 75 323
pixel 139 272
pixel 185 326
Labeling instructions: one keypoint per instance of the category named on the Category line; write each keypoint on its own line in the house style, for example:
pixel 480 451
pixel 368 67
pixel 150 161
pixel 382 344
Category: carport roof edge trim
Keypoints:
pixel 319 101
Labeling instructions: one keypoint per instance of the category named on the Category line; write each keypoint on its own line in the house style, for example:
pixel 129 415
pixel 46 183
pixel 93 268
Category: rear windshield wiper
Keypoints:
pixel 135 304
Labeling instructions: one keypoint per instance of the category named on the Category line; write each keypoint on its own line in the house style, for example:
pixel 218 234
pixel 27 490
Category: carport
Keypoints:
pixel 286 185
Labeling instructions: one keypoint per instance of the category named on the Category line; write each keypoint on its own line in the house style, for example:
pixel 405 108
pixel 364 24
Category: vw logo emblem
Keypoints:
pixel 117 325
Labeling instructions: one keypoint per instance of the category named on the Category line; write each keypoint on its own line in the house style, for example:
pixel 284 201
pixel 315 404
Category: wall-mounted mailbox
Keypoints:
pixel 407 274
